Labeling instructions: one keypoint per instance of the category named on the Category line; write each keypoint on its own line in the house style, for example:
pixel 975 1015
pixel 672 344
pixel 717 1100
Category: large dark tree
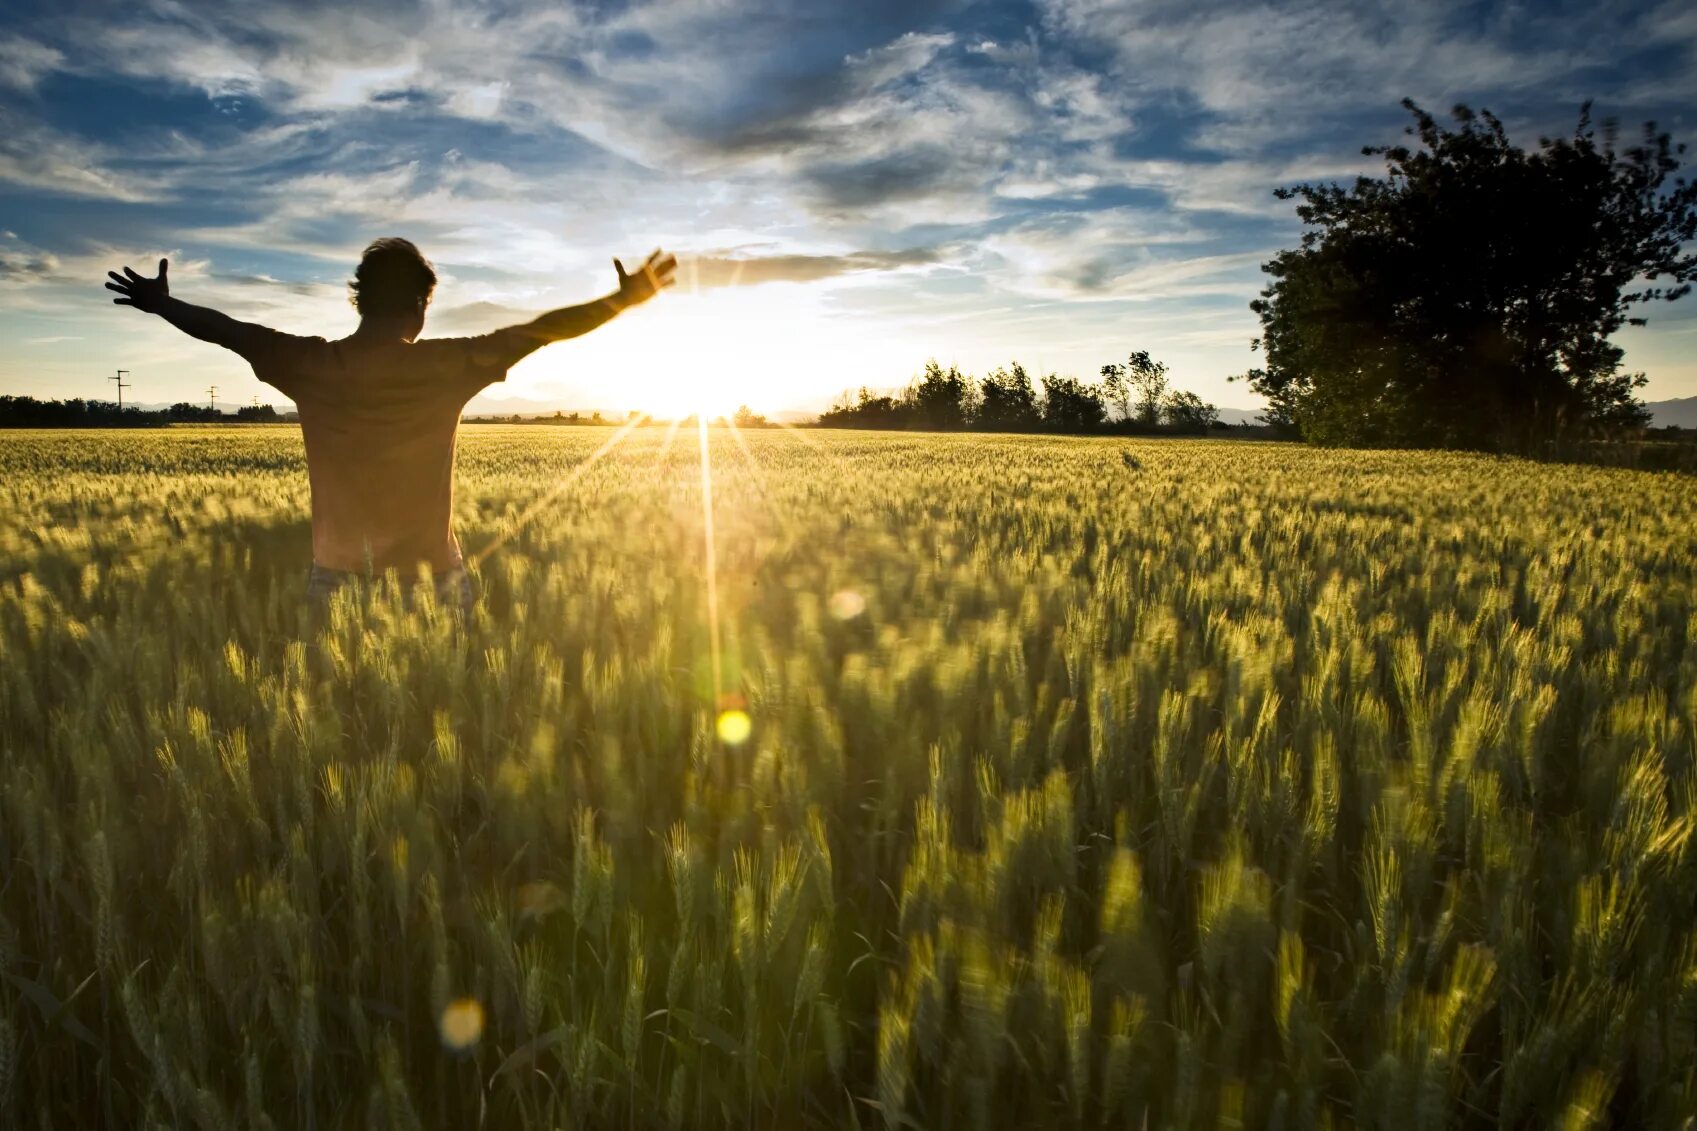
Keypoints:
pixel 1467 298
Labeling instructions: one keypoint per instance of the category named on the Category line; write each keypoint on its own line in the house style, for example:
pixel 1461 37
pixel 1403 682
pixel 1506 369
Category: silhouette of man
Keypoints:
pixel 380 408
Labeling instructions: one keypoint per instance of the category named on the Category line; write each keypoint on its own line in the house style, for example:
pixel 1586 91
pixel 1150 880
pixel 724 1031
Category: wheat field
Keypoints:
pixel 1034 782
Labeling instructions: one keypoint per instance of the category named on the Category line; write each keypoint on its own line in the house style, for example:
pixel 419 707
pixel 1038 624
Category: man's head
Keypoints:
pixel 393 281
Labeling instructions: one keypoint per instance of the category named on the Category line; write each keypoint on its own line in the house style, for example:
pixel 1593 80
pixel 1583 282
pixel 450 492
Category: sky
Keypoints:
pixel 852 188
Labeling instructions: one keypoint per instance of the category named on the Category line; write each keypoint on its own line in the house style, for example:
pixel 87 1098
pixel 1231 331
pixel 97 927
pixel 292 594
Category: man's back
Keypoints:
pixel 380 418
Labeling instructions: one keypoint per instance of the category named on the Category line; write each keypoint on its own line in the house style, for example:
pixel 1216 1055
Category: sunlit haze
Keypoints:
pixel 850 189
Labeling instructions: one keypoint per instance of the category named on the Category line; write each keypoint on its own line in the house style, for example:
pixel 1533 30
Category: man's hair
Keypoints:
pixel 393 277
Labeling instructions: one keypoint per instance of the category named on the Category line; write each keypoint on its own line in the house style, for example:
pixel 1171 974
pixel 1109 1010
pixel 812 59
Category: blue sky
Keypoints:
pixel 853 187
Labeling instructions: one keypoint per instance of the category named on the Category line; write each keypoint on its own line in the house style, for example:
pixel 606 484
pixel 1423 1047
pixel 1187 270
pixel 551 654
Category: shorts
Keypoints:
pixel 453 587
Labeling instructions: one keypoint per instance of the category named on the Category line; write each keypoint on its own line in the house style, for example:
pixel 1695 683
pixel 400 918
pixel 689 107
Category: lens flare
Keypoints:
pixel 462 1023
pixel 846 604
pixel 734 727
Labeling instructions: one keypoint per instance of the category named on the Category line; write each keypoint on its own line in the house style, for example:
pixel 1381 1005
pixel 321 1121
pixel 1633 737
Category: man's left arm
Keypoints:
pixel 635 287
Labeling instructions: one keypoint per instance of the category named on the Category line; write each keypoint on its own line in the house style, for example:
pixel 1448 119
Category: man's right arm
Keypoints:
pixel 153 296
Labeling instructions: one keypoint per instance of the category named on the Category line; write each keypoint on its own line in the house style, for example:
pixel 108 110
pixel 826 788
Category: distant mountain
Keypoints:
pixel 161 406
pixel 1235 416
pixel 1681 413
pixel 525 406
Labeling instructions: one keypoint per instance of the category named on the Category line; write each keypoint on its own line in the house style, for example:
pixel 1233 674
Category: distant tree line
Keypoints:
pixel 1132 396
pixel 27 412
pixel 744 417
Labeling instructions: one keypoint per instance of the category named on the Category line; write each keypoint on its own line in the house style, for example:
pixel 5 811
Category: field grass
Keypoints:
pixel 1087 782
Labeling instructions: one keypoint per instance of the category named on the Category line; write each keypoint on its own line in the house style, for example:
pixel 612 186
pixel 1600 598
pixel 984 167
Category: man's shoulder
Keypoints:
pixel 482 352
pixel 462 342
pixel 278 357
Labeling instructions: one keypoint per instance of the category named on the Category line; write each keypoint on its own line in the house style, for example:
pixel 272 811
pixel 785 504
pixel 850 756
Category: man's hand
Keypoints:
pixel 154 297
pixel 643 284
pixel 147 295
pixel 635 287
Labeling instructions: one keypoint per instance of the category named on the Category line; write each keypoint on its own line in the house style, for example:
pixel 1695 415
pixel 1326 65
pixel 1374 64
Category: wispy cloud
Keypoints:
pixel 23 62
pixel 709 270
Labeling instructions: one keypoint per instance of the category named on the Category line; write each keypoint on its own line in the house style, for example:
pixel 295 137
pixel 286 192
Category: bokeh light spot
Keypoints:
pixel 540 899
pixel 846 604
pixel 462 1023
pixel 734 727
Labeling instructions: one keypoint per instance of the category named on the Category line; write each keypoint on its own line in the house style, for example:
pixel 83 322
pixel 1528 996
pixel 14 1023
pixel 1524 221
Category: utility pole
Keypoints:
pixel 212 392
pixel 122 373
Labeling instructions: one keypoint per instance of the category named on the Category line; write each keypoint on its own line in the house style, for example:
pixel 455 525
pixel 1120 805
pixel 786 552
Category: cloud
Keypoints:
pixel 722 270
pixel 26 266
pixel 24 62
pixel 34 156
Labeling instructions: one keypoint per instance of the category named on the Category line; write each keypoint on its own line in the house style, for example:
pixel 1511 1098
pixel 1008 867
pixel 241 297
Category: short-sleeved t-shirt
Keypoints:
pixel 380 419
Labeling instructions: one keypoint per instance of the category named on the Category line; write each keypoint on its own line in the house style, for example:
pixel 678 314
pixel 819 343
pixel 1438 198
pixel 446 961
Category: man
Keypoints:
pixel 380 409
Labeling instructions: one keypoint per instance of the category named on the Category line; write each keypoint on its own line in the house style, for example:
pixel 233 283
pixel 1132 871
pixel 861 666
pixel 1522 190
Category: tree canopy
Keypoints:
pixel 1467 298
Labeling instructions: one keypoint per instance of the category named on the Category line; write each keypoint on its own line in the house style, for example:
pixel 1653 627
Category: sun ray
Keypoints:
pixel 842 464
pixel 712 564
pixel 666 444
pixel 560 485
pixel 753 465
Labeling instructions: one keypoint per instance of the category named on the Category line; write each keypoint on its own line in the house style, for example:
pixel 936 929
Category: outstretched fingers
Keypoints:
pixel 131 287
pixel 661 266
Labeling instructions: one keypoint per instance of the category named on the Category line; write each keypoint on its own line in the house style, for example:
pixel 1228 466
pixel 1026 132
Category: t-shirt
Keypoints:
pixel 379 419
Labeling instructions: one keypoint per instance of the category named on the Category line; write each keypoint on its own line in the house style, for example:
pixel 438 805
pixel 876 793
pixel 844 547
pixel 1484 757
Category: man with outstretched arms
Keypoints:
pixel 381 407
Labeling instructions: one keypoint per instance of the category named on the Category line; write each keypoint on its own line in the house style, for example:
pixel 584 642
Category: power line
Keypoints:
pixel 212 392
pixel 122 373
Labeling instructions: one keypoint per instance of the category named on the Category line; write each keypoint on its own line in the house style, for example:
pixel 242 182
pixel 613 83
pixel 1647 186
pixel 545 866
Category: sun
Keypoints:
pixel 772 347
pixel 724 349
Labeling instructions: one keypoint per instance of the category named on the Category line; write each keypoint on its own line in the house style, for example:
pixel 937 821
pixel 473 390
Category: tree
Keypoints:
pixel 1007 402
pixel 745 417
pixel 1116 393
pixel 186 412
pixel 1187 412
pixel 1467 298
pixel 1069 405
pixel 1137 387
pixel 942 400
